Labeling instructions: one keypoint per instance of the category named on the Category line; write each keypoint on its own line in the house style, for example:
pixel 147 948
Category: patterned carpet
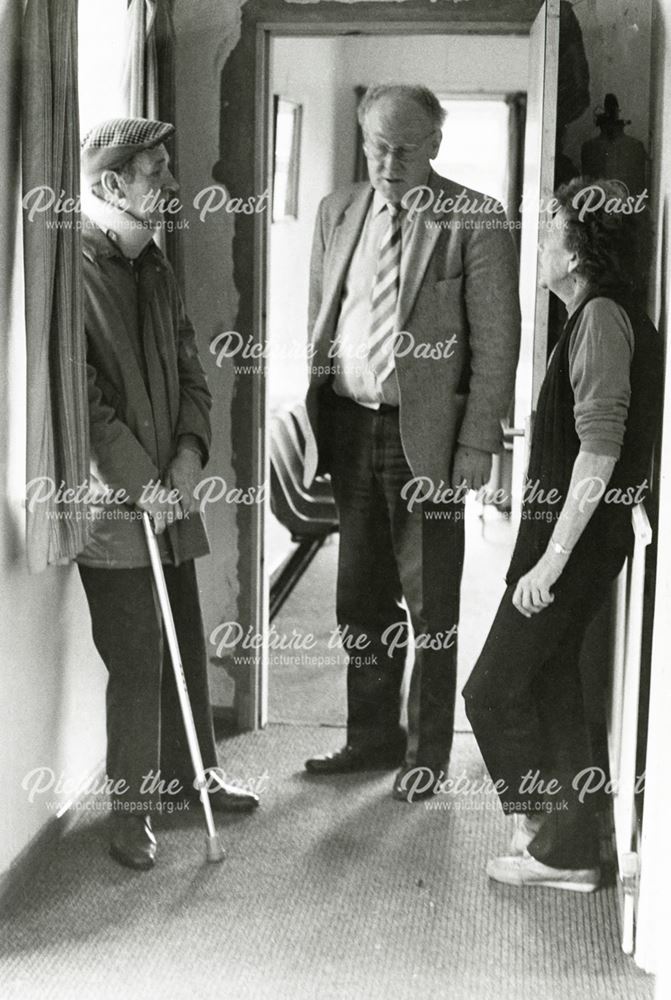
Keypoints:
pixel 332 891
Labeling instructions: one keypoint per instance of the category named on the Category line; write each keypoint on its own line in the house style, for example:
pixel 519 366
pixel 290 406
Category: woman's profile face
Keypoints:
pixel 556 261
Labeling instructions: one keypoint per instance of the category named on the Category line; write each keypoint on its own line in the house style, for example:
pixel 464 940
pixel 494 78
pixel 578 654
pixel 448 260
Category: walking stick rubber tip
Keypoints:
pixel 215 852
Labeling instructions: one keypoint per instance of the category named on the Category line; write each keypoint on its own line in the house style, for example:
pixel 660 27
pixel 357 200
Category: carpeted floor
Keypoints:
pixel 332 891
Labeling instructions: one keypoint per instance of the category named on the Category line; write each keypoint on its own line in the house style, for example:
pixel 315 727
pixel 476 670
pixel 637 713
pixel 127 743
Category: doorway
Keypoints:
pixel 313 86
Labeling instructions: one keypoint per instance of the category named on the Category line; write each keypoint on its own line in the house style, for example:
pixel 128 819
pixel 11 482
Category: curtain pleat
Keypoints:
pixel 57 415
pixel 148 82
pixel 140 73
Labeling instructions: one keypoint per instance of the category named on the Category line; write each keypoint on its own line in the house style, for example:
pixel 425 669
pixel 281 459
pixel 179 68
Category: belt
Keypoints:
pixel 347 400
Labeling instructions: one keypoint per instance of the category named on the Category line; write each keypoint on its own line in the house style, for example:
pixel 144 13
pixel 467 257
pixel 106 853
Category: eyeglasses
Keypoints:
pixel 379 149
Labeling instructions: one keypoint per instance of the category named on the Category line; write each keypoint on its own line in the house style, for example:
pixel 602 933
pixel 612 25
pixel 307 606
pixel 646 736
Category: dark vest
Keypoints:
pixel 555 445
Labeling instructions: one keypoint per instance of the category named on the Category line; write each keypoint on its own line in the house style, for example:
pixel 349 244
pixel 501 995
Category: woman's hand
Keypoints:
pixel 533 590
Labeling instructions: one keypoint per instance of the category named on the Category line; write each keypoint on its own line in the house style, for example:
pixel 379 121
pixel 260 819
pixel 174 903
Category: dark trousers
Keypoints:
pixel 388 554
pixel 145 731
pixel 525 702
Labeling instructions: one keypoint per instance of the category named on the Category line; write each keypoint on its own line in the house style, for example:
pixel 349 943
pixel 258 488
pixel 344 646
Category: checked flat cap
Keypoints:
pixel 111 143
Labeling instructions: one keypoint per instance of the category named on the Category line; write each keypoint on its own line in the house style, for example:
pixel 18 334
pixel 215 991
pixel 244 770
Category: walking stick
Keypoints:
pixel 215 851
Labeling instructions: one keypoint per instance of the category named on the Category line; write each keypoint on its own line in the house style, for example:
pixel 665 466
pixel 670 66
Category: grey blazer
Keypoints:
pixel 459 283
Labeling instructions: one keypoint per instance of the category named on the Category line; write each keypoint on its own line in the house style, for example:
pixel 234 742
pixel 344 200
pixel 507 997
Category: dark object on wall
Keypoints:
pixel 612 154
pixel 360 165
pixel 573 97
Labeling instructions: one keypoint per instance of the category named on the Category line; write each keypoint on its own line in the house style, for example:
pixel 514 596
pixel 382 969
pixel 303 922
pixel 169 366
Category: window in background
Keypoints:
pixel 474 150
pixel 103 29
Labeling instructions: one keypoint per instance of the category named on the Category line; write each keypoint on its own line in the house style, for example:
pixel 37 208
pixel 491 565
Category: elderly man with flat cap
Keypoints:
pixel 150 436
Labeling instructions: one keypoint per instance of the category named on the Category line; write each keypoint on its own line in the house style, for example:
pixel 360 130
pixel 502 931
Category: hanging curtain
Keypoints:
pixel 148 76
pixel 57 413
pixel 148 80
pixel 140 73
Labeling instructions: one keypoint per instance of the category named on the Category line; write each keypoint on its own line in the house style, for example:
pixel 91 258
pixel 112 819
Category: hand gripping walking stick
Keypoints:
pixel 215 851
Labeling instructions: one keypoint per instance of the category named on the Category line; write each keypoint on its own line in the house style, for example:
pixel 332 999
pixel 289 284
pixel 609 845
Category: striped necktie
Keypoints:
pixel 384 297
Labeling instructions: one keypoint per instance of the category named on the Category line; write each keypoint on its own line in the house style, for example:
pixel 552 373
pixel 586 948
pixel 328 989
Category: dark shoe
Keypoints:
pixel 415 782
pixel 350 758
pixel 133 842
pixel 228 798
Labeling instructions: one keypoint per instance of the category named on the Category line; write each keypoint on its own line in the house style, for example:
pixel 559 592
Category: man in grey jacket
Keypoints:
pixel 150 438
pixel 414 338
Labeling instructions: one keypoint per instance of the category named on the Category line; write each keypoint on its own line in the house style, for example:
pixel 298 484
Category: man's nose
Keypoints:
pixel 393 158
pixel 170 184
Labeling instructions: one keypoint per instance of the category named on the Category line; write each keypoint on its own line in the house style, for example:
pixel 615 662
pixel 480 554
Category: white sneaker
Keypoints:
pixel 526 828
pixel 522 870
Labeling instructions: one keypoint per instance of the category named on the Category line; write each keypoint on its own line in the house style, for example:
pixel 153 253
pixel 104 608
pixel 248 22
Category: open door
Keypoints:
pixel 538 187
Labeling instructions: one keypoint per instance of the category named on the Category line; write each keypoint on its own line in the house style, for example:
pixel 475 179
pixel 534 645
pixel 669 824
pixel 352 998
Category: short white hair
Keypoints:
pixel 422 97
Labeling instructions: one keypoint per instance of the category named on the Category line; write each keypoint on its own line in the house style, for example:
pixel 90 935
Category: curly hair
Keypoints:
pixel 605 226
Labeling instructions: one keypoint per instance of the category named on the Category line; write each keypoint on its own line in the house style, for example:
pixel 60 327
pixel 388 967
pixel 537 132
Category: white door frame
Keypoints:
pixel 538 188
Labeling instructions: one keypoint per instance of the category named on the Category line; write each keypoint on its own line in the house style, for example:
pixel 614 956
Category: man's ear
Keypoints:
pixel 436 139
pixel 112 186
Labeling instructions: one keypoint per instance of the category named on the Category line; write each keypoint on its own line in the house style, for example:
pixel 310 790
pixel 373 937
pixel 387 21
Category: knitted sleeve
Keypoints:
pixel 600 354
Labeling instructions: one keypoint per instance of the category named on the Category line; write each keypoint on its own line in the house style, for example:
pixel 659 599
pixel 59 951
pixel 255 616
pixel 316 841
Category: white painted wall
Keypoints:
pixel 305 71
pixel 460 64
pixel 52 710
pixel 52 713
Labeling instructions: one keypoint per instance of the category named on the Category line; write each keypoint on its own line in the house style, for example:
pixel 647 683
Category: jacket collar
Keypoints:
pixel 109 231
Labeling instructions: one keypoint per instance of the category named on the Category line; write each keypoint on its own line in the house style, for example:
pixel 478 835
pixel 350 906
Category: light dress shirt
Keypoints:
pixel 353 375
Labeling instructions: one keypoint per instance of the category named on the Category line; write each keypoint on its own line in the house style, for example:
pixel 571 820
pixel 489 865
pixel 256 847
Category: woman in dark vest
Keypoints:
pixel 591 449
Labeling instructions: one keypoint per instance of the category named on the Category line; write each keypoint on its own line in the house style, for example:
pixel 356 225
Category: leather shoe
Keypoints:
pixel 229 798
pixel 415 782
pixel 133 842
pixel 349 759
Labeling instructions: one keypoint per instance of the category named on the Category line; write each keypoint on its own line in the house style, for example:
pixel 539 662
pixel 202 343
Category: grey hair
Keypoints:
pixel 422 96
pixel 127 170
